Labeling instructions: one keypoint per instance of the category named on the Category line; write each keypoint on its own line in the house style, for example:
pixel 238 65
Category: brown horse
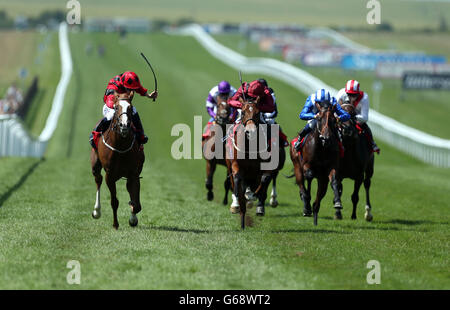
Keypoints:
pixel 358 161
pixel 246 151
pixel 120 156
pixel 319 159
pixel 222 119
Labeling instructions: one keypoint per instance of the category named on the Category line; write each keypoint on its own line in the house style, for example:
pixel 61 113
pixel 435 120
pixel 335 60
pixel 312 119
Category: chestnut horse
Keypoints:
pixel 222 119
pixel 120 155
pixel 319 159
pixel 358 161
pixel 249 181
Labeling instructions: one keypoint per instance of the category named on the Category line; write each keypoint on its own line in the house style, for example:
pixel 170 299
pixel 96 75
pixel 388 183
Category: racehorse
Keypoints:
pixel 223 117
pixel 358 161
pixel 120 156
pixel 318 158
pixel 249 181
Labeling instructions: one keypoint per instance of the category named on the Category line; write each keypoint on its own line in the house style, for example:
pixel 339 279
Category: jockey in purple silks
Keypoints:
pixel 224 89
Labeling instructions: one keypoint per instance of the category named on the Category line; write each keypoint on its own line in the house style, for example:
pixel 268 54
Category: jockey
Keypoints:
pixel 360 100
pixel 310 113
pixel 269 118
pixel 122 83
pixel 267 106
pixel 223 89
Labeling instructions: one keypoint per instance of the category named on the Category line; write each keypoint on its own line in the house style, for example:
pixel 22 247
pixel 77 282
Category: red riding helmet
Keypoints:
pixel 352 87
pixel 130 80
pixel 255 89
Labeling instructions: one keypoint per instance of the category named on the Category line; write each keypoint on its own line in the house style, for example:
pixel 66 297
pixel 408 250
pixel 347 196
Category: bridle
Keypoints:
pixel 116 120
pixel 321 127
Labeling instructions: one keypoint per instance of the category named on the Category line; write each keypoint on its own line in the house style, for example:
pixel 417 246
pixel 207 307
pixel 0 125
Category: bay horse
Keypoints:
pixel 209 143
pixel 249 181
pixel 319 158
pixel 121 156
pixel 358 161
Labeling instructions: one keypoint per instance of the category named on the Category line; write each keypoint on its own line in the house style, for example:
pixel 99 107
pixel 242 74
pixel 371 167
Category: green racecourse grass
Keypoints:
pixel 401 14
pixel 182 241
pixel 426 110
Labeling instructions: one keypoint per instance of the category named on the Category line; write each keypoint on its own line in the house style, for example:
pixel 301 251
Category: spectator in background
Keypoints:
pixel 13 100
pixel 14 94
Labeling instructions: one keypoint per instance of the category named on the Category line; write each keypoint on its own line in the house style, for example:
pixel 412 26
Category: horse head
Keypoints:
pixel 250 116
pixel 122 116
pixel 348 128
pixel 223 110
pixel 326 123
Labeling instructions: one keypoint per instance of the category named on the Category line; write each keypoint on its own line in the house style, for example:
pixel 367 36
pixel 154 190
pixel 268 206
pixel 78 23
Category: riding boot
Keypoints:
pixel 301 135
pixel 139 129
pixel 98 130
pixel 369 136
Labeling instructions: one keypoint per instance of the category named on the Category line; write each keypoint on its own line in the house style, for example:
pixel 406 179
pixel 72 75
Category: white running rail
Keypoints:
pixel 425 147
pixel 14 139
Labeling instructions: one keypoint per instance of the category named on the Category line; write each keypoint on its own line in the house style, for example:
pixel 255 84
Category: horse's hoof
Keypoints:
pixel 338 216
pixel 116 227
pixel 249 204
pixel 368 217
pixel 249 195
pixel 260 211
pixel 273 202
pixel 210 196
pixel 133 221
pixel 353 217
pixel 307 212
pixel 235 209
pixel 225 202
pixel 96 214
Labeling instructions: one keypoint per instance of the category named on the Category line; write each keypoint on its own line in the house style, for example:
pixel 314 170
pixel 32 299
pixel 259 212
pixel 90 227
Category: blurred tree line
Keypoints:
pixel 45 18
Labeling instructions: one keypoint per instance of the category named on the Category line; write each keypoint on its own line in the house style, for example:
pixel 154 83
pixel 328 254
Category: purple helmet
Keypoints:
pixel 224 87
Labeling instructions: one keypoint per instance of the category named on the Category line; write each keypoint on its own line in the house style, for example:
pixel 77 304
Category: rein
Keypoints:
pixel 116 150
pixel 232 136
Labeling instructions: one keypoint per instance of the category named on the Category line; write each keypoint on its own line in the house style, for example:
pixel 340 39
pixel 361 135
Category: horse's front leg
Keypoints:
pixel 133 187
pixel 210 169
pixel 227 185
pixel 239 193
pixel 262 192
pixel 305 193
pixel 96 171
pixel 273 195
pixel 355 196
pixel 114 202
pixel 367 215
pixel 322 184
pixel 337 198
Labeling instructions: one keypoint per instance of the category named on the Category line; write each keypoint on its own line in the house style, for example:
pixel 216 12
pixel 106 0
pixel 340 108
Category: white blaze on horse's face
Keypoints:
pixel 123 118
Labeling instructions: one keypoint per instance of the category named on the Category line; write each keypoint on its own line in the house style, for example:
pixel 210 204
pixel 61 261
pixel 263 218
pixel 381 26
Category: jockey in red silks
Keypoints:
pixel 122 83
pixel 360 100
pixel 266 102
